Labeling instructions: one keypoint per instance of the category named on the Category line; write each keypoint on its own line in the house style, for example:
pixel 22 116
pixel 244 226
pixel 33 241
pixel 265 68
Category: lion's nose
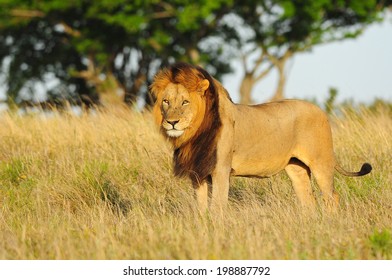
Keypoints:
pixel 173 123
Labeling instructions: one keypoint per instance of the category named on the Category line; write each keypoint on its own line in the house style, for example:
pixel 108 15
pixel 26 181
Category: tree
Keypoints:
pixel 282 28
pixel 110 50
pixel 35 50
pixel 98 48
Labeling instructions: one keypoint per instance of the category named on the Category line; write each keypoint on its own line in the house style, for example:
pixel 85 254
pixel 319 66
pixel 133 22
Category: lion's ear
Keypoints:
pixel 203 86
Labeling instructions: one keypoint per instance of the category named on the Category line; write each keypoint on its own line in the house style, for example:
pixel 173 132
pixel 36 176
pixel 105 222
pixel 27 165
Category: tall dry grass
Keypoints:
pixel 100 187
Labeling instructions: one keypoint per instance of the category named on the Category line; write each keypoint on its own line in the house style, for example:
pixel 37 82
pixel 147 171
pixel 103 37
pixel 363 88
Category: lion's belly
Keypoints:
pixel 258 166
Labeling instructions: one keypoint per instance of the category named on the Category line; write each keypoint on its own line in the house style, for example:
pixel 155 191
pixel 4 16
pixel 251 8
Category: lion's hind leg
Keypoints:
pixel 323 174
pixel 299 173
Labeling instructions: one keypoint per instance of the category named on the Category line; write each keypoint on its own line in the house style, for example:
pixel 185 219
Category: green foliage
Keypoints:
pixel 16 185
pixel 301 24
pixel 96 176
pixel 381 243
pixel 84 42
pixel 365 189
pixel 81 43
pixel 13 172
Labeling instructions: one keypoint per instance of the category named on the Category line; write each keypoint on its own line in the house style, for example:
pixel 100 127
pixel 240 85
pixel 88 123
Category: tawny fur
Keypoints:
pixel 213 138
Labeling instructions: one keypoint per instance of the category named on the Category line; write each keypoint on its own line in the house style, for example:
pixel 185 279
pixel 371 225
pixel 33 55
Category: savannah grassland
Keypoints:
pixel 100 186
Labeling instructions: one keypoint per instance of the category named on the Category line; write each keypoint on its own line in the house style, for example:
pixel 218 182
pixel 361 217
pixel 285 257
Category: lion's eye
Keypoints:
pixel 165 101
pixel 185 102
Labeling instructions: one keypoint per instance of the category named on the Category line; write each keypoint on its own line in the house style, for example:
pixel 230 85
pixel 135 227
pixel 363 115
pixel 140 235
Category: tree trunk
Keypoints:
pixel 279 93
pixel 130 96
pixel 246 87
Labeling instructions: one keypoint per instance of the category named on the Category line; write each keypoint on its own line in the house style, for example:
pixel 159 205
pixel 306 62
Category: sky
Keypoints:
pixel 360 69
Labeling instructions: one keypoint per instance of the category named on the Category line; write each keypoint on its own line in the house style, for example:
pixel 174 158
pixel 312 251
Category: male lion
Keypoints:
pixel 214 138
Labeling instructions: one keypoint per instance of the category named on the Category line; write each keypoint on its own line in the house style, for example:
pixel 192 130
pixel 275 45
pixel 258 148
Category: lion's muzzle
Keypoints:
pixel 171 129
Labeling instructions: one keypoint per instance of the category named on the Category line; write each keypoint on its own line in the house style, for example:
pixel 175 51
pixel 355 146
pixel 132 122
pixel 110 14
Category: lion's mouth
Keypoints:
pixel 174 132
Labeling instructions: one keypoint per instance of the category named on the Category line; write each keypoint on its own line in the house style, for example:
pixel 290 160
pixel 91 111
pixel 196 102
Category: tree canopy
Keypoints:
pixel 95 48
pixel 88 51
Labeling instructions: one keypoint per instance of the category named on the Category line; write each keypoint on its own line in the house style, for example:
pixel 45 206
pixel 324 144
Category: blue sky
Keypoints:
pixel 361 70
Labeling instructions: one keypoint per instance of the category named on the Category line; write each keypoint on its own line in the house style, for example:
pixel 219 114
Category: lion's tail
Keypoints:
pixel 365 169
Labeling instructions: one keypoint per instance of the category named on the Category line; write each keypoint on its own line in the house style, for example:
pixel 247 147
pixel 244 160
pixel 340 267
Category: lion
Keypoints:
pixel 214 138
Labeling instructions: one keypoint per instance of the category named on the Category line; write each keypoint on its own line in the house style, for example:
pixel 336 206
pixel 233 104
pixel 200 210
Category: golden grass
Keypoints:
pixel 100 187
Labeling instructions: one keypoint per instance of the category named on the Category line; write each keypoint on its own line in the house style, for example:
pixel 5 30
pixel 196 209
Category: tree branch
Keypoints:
pixel 243 58
pixel 168 12
pixel 264 73
pixel 26 13
pixel 69 30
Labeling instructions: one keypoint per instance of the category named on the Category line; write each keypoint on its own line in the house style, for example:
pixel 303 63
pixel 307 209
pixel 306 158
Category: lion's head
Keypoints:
pixel 182 94
pixel 187 110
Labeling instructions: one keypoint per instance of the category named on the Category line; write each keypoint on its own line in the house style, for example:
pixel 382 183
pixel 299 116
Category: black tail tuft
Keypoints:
pixel 365 169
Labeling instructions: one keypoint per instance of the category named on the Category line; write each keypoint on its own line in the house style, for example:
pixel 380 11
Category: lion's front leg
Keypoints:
pixel 221 174
pixel 220 189
pixel 201 193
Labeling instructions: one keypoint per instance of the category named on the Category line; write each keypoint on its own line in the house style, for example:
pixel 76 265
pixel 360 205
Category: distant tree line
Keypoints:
pixel 92 52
